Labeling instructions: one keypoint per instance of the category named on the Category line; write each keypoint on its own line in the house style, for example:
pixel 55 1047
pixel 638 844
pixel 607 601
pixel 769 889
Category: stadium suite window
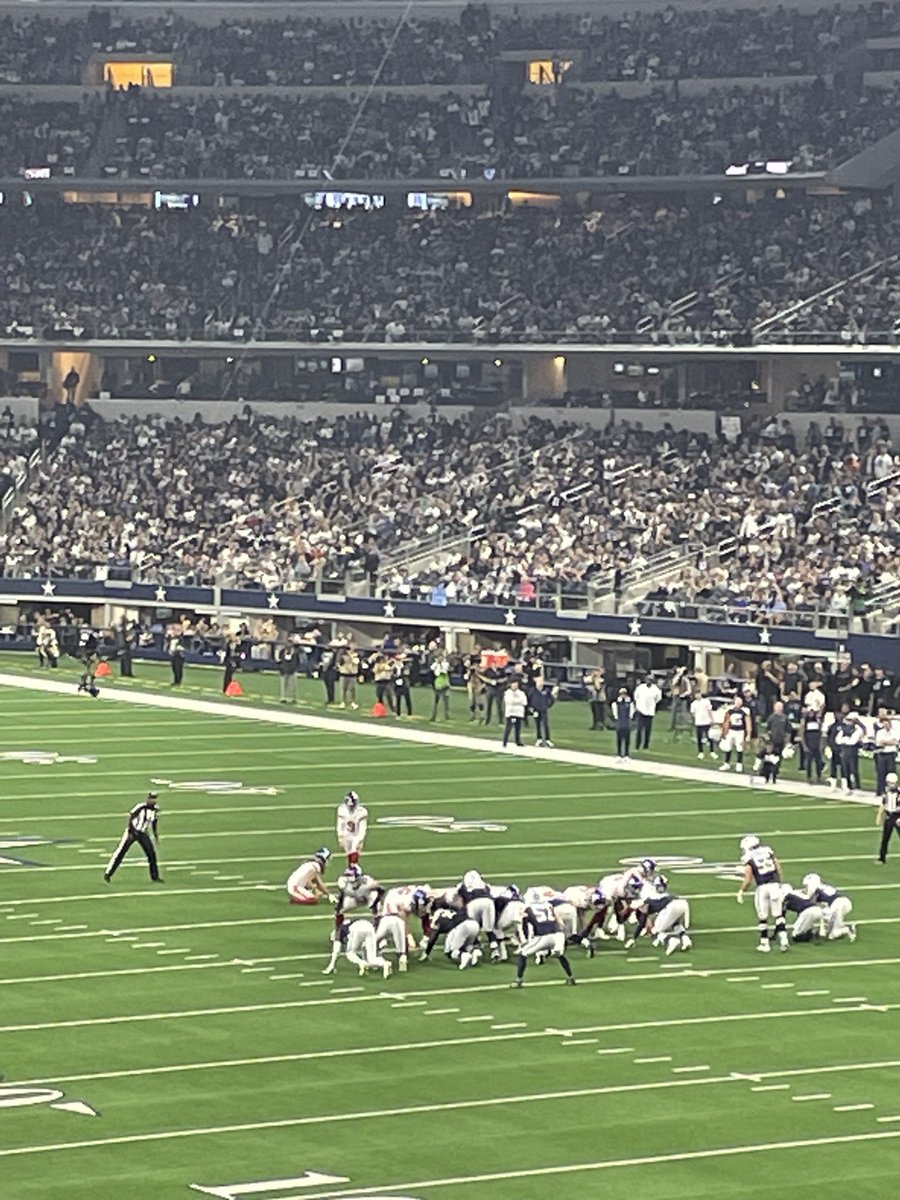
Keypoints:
pixel 544 71
pixel 139 73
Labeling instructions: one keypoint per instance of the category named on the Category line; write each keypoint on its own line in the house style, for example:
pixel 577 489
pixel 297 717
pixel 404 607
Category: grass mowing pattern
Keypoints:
pixel 200 1006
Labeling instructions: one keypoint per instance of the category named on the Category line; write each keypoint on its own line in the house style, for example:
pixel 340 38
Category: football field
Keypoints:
pixel 155 1040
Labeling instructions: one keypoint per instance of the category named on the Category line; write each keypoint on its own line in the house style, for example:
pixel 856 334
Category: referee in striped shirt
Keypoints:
pixel 888 814
pixel 143 820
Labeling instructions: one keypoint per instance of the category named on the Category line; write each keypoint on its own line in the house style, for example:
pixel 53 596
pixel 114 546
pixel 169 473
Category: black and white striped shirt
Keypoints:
pixel 142 817
pixel 890 801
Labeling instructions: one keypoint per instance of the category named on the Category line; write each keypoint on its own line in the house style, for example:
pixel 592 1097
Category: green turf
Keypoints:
pixel 401 1100
pixel 570 720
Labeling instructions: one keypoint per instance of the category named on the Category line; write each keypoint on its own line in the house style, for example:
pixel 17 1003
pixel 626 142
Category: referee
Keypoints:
pixel 142 821
pixel 888 814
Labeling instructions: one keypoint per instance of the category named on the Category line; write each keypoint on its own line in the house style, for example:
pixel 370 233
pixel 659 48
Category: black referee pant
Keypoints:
pixel 145 841
pixel 891 823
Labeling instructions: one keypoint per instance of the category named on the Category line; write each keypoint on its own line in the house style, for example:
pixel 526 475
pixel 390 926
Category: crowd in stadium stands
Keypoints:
pixel 666 44
pixel 505 513
pixel 520 274
pixel 561 132
pixel 17 441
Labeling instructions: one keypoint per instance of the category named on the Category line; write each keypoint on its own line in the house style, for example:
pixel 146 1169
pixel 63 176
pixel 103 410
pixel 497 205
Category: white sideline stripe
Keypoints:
pixel 465 1020
pixel 885 1120
pixel 439 1012
pixel 778 985
pixel 772 1087
pixel 568 1169
pixel 418 737
pixel 811 1096
pixel 229 1010
pixel 690 1070
pixel 579 1042
pixel 617 1050
pixel 852 1107
pixel 655 1059
pixel 855 964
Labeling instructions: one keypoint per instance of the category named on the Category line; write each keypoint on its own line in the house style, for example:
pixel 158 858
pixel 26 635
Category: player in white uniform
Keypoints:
pixel 619 889
pixel 763 869
pixel 478 901
pixel 807 913
pixel 306 885
pixel 836 908
pixel 397 905
pixel 356 940
pixel 543 937
pixel 352 824
pixel 356 890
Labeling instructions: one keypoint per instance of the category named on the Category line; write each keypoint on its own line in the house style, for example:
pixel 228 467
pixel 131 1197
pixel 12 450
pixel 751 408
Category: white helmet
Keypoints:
pixel 811 883
pixel 891 779
pixel 748 843
pixel 472 880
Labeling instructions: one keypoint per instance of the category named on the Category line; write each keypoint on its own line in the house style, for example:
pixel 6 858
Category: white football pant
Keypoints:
pixel 460 937
pixel 836 915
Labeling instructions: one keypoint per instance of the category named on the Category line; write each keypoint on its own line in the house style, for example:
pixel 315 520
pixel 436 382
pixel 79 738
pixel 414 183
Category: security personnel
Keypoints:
pixel 143 820
pixel 328 673
pixel 402 692
pixel 885 756
pixel 493 694
pixel 623 715
pixel 176 659
pixel 515 703
pixel 888 814
pixel 229 661
pixel 541 699
pixel 287 673
pixel 811 744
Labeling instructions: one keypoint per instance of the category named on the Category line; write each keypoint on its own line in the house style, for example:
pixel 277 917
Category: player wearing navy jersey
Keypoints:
pixel 543 936
pixel 836 908
pixel 735 731
pixel 807 913
pixel 763 870
pixel 460 934
pixel 668 915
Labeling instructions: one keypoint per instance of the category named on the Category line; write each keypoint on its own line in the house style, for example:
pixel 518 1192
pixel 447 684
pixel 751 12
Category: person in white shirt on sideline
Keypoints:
pixel 702 714
pixel 515 702
pixel 646 701
pixel 885 757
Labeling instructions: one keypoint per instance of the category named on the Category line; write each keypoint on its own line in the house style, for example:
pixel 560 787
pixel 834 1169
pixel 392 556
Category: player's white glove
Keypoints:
pixel 740 897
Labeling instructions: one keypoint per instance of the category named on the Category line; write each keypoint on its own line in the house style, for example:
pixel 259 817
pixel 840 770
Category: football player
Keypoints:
pixel 306 885
pixel 352 823
pixel 836 908
pixel 668 915
pixel 567 913
pixel 544 937
pixel 619 889
pixel 460 933
pixel 808 914
pixel 762 869
pixel 510 910
pixel 735 731
pixel 356 890
pixel 396 906
pixel 356 939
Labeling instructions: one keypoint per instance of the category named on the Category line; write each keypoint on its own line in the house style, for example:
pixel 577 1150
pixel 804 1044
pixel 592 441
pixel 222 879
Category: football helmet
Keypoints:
pixel 420 896
pixel 598 899
pixel 351 799
pixel 353 873
pixel 323 855
pixel 648 865
pixel 891 779
pixel 514 891
pixel 812 883
pixel 661 883
pixel 748 843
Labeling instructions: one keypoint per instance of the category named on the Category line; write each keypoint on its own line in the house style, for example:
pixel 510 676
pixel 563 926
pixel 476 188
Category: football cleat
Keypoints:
pixel 783 941
pixel 851 932
pixel 620 932
pixel 586 943
pixel 686 942
pixel 570 981
pixel 362 968
pixel 673 944
pixel 764 947
pixel 402 962
pixel 516 983
pixel 477 955
pixel 464 959
pixel 387 969
pixel 629 943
